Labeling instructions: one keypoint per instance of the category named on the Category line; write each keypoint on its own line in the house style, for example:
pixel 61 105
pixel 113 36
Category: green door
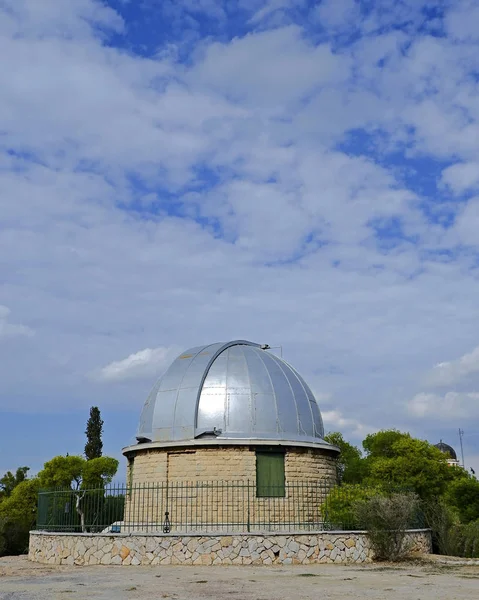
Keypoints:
pixel 270 480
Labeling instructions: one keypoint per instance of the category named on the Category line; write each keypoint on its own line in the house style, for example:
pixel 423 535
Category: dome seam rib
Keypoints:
pixel 202 349
pixel 252 405
pixel 299 425
pixel 222 349
pixel 303 384
pixel 279 428
pixel 300 381
pixel 227 400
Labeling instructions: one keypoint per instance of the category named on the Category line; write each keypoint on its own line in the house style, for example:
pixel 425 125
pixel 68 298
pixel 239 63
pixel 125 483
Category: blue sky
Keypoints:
pixel 299 173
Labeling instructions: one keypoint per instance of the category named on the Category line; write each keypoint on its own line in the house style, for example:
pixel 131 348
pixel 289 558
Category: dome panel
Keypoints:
pixel 284 398
pixel 231 391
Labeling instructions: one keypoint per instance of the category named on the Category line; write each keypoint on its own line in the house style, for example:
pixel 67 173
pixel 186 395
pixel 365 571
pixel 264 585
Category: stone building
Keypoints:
pixel 240 422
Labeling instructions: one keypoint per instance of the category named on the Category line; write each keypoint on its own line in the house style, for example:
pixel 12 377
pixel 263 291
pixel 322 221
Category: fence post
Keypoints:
pixel 248 522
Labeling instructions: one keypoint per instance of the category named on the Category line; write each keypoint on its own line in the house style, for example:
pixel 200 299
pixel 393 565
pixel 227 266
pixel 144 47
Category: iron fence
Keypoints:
pixel 197 507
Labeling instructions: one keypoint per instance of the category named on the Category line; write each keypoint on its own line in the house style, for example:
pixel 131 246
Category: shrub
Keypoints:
pixel 13 537
pixel 465 540
pixel 449 536
pixel 338 510
pixel 17 517
pixel 3 541
pixel 463 495
pixel 387 519
pixel 443 522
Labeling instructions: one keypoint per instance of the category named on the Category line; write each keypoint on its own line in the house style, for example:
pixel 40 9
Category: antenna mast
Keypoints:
pixel 461 433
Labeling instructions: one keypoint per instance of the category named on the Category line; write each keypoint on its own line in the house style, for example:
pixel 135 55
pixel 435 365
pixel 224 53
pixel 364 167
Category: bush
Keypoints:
pixel 17 517
pixel 13 537
pixel 3 541
pixel 443 521
pixel 463 495
pixel 465 540
pixel 449 536
pixel 338 510
pixel 387 519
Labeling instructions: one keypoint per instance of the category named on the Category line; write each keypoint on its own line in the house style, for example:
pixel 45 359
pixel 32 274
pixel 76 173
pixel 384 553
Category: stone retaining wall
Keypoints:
pixel 243 549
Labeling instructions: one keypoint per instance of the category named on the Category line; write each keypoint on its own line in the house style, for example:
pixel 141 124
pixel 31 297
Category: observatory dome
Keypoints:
pixel 446 449
pixel 231 391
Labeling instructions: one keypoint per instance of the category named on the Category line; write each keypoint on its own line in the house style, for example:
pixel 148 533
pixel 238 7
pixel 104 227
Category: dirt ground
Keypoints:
pixel 22 580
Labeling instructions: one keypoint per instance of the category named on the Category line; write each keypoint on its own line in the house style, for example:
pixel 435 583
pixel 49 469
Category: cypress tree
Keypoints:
pixel 94 430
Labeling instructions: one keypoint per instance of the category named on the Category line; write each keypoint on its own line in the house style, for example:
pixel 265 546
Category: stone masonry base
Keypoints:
pixel 238 549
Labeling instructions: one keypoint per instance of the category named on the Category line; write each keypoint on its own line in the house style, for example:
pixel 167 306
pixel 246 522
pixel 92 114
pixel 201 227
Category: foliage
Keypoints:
pixel 338 510
pixel 463 495
pixel 77 472
pixel 99 507
pixel 81 474
pixel 9 481
pixel 465 540
pixel 13 537
pixel 442 520
pixel 350 465
pixel 99 471
pixel 387 519
pixel 62 471
pixel 397 459
pixel 17 517
pixel 380 444
pixel 94 430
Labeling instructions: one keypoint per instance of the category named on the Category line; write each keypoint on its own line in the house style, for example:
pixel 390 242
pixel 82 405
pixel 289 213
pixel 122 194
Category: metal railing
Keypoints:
pixel 198 507
pixel 185 507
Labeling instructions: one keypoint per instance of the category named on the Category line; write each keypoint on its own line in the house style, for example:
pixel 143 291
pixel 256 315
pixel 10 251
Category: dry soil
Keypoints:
pixel 22 580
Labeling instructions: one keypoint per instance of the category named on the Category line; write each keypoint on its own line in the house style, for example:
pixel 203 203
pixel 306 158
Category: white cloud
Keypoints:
pixel 254 69
pixel 268 9
pixel 461 21
pixel 335 420
pixel 467 222
pixel 8 329
pixel 461 177
pixel 236 195
pixel 144 364
pixel 453 406
pixel 454 371
pixel 338 13
pixel 50 18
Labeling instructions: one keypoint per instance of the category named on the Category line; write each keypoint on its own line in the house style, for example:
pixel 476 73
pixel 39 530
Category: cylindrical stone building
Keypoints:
pixel 237 421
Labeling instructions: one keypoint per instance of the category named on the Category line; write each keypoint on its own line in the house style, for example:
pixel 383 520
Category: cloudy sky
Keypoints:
pixel 293 172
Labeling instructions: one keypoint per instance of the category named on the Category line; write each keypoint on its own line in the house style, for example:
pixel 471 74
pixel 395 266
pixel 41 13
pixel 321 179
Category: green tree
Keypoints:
pixel 381 443
pixel 79 474
pixel 17 517
pixel 338 509
pixel 396 459
pixel 463 495
pixel 94 431
pixel 76 472
pixel 10 481
pixel 350 464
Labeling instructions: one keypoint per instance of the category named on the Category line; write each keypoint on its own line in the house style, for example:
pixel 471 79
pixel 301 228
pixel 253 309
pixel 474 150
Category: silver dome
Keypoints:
pixel 230 391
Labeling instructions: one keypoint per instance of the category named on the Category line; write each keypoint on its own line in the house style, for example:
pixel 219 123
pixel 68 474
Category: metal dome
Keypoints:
pixel 446 449
pixel 232 391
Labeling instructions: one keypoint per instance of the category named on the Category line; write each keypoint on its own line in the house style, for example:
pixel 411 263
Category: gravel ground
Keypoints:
pixel 22 580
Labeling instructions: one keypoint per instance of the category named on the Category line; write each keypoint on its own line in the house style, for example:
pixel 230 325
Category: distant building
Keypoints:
pixel 449 452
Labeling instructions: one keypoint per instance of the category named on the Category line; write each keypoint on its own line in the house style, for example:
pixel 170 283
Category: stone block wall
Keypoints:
pixel 244 549
pixel 225 463
pixel 173 479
